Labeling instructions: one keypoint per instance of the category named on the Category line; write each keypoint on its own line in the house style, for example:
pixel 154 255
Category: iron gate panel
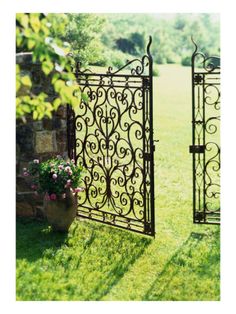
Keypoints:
pixel 205 146
pixel 111 134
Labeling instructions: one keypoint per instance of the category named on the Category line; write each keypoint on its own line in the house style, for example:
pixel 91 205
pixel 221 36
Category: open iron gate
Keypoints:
pixel 111 134
pixel 205 146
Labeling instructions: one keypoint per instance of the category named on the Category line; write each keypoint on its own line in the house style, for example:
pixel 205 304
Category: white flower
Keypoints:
pixel 67 169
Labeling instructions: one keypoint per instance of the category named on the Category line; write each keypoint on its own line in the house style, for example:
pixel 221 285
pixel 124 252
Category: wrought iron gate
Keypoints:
pixel 206 137
pixel 111 134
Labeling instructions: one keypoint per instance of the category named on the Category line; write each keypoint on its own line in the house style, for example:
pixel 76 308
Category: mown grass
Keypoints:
pixel 98 262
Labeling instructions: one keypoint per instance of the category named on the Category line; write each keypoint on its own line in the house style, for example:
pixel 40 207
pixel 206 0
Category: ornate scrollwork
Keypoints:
pixel 112 138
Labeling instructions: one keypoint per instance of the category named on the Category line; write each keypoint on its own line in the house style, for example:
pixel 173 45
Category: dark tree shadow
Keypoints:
pixel 98 255
pixel 182 262
pixel 34 237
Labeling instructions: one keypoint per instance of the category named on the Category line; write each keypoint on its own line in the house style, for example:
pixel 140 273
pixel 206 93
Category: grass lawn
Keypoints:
pixel 98 262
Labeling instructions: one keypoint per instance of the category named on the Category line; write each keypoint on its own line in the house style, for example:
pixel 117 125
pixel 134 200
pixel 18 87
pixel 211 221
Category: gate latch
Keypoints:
pixel 199 149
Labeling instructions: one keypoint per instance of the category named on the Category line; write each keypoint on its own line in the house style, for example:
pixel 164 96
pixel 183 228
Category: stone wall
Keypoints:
pixel 36 140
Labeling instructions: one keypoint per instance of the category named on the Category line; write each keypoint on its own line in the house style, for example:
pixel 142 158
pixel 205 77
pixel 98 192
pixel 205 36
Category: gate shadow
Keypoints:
pixel 94 256
pixel 197 256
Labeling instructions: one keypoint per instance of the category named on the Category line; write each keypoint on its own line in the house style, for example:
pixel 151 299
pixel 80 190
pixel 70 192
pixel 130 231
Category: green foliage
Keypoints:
pixel 35 32
pixel 55 175
pixel 97 262
pixel 83 32
pixel 171 35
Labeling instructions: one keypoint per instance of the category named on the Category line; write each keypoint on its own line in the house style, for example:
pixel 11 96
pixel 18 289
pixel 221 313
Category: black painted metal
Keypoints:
pixel 205 146
pixel 111 134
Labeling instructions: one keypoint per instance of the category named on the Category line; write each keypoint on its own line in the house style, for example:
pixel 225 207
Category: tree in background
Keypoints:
pixel 171 35
pixel 83 32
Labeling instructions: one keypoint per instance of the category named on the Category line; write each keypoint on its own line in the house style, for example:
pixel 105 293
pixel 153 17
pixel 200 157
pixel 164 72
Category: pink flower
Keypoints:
pixel 60 167
pixel 67 169
pixel 70 173
pixel 34 186
pixel 68 184
pixel 47 197
pixel 54 176
pixel 25 174
pixel 73 161
pixel 77 190
pixel 36 161
pixel 53 197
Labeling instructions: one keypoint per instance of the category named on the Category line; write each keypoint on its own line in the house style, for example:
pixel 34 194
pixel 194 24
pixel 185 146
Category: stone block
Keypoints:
pixel 52 124
pixel 45 142
pixel 23 184
pixel 24 139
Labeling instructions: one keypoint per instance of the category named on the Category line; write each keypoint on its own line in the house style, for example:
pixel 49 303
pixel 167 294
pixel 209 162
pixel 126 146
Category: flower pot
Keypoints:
pixel 61 212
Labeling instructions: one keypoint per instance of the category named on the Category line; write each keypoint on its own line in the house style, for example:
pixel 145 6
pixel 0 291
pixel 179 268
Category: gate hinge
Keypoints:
pixel 200 149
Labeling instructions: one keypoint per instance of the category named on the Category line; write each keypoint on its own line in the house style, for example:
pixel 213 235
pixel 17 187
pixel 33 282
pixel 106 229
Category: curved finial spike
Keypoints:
pixel 149 45
pixel 196 47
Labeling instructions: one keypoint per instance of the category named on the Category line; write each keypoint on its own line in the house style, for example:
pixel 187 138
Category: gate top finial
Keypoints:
pixel 149 45
pixel 196 46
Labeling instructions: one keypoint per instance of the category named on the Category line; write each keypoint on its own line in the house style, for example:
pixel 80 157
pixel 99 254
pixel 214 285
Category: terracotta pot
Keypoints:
pixel 60 213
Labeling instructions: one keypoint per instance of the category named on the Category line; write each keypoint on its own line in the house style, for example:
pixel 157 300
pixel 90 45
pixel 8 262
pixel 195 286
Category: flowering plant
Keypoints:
pixel 54 176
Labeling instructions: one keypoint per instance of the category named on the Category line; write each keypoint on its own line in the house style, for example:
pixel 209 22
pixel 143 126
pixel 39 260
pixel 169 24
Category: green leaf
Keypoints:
pixel 59 85
pixel 35 22
pixel 47 67
pixel 17 85
pixel 55 78
pixel 35 115
pixel 31 43
pixel 26 81
pixel 26 108
pixel 23 19
pixel 56 103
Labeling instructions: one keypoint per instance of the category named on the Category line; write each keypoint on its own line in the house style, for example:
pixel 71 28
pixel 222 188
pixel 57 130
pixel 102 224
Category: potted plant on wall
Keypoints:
pixel 59 180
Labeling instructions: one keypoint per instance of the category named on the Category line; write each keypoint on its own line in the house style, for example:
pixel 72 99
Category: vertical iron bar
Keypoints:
pixel 204 143
pixel 193 137
pixel 71 141
pixel 152 176
pixel 144 151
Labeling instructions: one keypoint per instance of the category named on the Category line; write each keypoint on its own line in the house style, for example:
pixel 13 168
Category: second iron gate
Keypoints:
pixel 111 135
pixel 206 137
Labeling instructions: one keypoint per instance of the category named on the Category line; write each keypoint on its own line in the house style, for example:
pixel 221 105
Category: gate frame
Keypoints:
pixel 148 157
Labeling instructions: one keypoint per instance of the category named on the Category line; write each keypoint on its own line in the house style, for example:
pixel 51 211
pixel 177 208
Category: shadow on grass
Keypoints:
pixel 34 237
pixel 196 261
pixel 92 258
